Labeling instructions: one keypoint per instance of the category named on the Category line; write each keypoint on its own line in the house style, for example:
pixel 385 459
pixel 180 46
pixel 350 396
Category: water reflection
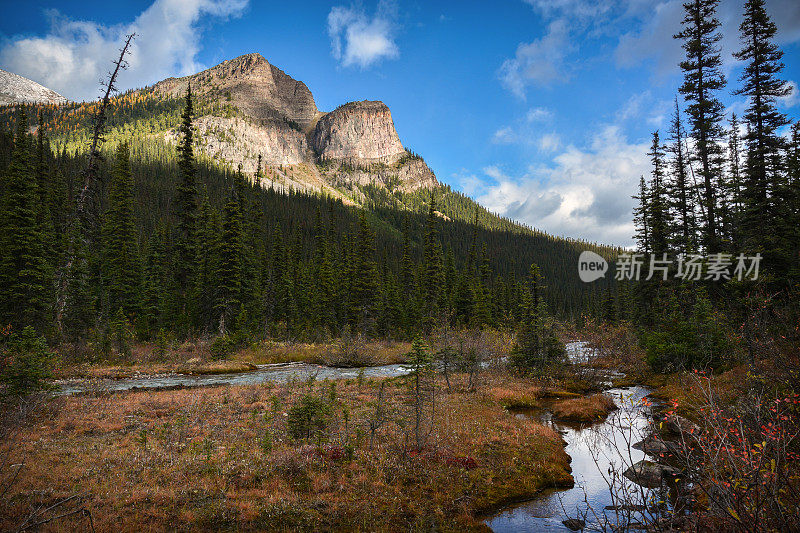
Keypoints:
pixel 600 453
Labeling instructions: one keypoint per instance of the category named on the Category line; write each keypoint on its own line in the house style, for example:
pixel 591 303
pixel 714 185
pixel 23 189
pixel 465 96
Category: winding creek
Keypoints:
pixel 596 450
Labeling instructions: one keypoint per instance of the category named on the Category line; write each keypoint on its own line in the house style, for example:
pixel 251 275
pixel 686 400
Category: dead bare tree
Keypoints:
pixel 379 417
pixel 62 508
pixel 82 217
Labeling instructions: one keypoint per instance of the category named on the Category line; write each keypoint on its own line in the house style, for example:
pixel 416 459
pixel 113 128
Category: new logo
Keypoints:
pixel 591 266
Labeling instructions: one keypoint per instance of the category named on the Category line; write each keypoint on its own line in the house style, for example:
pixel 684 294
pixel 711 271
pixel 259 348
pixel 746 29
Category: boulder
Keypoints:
pixel 649 474
pixel 574 524
pixel 678 425
pixel 654 446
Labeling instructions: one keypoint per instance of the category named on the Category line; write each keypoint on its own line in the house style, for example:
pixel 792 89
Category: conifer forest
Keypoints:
pixel 222 309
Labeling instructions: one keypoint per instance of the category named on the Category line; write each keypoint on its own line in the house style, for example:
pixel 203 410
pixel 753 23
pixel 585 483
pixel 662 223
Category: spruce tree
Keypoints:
pixel 433 270
pixel 641 217
pixel 45 190
pixel 156 283
pixel 186 209
pixel 120 250
pixel 703 78
pixel 733 183
pixel 229 273
pixel 679 190
pixel 364 287
pixel 536 344
pixel 762 85
pixel 659 219
pixel 207 281
pixel 25 275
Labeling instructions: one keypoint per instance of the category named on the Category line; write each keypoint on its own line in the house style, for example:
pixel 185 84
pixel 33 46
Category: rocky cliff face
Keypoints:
pixel 356 143
pixel 14 89
pixel 237 141
pixel 359 134
pixel 407 175
pixel 249 82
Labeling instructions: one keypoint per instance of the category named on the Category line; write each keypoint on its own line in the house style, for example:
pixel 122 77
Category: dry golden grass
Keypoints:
pixel 587 409
pixel 194 358
pixel 197 460
pixel 371 353
pixel 197 367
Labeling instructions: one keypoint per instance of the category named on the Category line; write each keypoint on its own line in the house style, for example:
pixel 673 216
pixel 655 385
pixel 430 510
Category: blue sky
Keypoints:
pixel 541 110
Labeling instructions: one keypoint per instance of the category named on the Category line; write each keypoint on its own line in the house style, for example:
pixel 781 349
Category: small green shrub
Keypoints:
pixel 221 347
pixel 27 363
pixel 686 336
pixel 308 417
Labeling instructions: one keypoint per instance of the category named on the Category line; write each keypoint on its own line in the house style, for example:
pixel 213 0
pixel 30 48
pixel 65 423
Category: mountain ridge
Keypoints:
pixel 16 89
pixel 278 120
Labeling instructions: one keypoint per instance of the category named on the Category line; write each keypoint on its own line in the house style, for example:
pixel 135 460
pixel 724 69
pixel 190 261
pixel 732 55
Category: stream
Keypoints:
pixel 277 373
pixel 599 453
pixel 595 451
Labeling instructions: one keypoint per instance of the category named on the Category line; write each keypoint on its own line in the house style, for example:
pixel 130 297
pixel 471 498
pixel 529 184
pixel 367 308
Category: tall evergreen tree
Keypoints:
pixel 186 206
pixel 120 250
pixel 364 287
pixel 156 282
pixel 536 343
pixel 762 85
pixel 229 273
pixel 432 267
pixel 733 183
pixel 641 216
pixel 679 190
pixel 702 79
pixel 25 275
pixel 659 219
pixel 207 280
pixel 45 190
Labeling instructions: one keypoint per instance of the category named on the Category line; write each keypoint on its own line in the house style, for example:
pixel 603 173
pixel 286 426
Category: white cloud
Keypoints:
pixel 550 142
pixel 653 39
pixel 505 135
pixel 580 10
pixel 793 98
pixel 541 62
pixel 360 40
pixel 76 54
pixel 527 131
pixel 585 193
pixel 644 107
pixel 539 114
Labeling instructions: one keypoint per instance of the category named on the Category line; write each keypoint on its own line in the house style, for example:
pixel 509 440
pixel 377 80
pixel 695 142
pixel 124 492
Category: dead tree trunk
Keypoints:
pixel 82 216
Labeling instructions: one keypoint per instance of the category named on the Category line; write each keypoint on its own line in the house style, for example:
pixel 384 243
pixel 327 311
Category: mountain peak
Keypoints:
pixel 259 89
pixel 358 133
pixel 278 121
pixel 16 89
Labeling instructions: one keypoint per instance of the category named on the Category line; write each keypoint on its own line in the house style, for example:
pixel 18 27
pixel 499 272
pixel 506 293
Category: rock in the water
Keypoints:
pixel 574 524
pixel 654 446
pixel 649 474
pixel 678 425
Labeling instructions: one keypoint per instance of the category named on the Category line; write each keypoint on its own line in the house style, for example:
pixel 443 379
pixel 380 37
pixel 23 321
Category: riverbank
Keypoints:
pixel 203 358
pixel 226 457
